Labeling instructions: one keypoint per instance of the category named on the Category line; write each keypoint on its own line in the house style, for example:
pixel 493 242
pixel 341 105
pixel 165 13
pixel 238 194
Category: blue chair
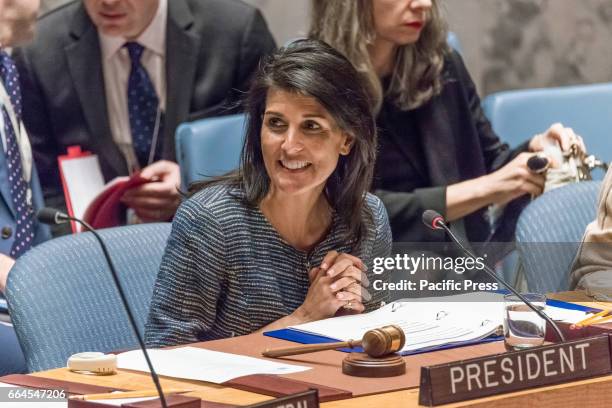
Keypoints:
pixel 11 356
pixel 62 299
pixel 209 147
pixel 518 115
pixel 549 232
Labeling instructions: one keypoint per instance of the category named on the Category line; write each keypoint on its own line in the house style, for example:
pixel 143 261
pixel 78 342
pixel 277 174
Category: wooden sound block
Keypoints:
pixel 362 365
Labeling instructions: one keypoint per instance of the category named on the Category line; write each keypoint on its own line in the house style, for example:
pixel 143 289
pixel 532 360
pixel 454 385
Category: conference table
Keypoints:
pixel 595 392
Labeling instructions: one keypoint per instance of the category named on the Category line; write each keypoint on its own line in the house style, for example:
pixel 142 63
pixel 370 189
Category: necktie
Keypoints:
pixel 142 105
pixel 24 235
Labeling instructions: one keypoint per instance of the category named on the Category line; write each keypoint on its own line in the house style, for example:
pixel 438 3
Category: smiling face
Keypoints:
pixel 301 143
pixel 121 18
pixel 400 22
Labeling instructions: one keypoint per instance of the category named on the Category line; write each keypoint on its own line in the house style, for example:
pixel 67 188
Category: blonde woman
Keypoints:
pixel 437 149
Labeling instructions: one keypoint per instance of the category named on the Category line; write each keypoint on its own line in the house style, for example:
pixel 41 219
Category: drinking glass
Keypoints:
pixel 523 328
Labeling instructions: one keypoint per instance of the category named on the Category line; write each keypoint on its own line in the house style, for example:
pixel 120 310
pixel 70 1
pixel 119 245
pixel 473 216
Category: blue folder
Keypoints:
pixel 309 338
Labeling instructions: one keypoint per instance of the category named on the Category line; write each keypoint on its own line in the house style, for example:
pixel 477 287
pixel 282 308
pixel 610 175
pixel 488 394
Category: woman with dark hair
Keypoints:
pixel 437 149
pixel 288 238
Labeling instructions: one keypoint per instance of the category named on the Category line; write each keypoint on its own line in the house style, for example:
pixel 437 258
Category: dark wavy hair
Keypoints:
pixel 348 25
pixel 312 68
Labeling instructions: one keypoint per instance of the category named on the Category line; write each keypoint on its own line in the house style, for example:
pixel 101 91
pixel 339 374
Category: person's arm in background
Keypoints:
pixel 592 269
pixel 40 130
pixel 508 176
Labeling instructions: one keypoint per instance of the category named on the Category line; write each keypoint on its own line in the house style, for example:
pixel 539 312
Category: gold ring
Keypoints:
pixel 349 305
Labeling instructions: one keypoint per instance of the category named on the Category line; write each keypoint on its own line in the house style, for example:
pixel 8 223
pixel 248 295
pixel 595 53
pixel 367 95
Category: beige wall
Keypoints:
pixel 507 43
pixel 534 43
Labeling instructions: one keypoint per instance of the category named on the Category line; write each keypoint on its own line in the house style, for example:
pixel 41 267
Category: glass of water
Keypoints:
pixel 523 328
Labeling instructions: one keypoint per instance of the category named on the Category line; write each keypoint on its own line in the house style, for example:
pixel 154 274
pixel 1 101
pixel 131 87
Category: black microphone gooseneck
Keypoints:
pixel 51 216
pixel 435 221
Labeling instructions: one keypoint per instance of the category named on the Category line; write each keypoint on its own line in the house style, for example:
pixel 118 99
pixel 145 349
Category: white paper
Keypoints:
pixel 192 363
pixel 565 315
pixel 426 322
pixel 431 322
pixel 84 181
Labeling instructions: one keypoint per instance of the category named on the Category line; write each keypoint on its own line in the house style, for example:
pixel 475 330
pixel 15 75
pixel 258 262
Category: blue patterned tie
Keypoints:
pixel 25 221
pixel 142 105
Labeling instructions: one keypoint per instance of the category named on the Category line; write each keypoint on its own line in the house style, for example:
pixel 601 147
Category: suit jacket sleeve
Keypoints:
pixel 593 264
pixel 496 153
pixel 257 41
pixel 405 210
pixel 40 129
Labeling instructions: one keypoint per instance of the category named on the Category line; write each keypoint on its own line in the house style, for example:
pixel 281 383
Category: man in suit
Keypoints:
pixel 117 76
pixel 20 193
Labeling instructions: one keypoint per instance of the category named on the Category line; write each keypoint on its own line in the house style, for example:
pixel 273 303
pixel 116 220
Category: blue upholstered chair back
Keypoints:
pixel 549 232
pixel 62 299
pixel 209 147
pixel 518 115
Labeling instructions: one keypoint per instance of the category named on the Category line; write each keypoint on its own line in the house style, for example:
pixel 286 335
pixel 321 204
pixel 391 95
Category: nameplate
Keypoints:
pixel 308 399
pixel 517 370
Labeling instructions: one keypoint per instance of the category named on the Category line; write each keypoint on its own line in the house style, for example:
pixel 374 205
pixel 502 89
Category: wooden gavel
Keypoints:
pixel 375 343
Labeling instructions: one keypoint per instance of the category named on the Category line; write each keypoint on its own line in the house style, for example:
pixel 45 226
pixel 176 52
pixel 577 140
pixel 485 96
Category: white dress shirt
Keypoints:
pixel 116 66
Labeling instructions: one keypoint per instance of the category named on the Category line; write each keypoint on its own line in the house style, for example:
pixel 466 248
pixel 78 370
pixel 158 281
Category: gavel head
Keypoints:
pixel 383 341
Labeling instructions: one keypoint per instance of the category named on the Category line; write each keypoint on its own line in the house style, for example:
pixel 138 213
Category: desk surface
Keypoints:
pixel 595 392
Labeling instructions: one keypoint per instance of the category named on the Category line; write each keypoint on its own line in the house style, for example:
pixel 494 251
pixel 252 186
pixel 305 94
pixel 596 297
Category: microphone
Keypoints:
pixel 538 164
pixel 52 216
pixel 434 220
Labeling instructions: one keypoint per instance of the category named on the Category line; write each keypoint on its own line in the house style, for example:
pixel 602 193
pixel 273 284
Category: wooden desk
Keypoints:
pixel 587 393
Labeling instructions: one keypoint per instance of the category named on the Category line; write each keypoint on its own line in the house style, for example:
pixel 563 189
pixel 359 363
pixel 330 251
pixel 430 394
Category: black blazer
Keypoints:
pixel 212 48
pixel 458 144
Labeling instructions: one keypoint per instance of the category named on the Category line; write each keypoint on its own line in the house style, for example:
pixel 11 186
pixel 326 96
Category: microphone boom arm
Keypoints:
pixel 125 304
pixel 492 274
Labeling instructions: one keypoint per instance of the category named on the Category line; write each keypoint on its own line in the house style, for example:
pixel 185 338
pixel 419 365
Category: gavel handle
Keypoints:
pixel 311 348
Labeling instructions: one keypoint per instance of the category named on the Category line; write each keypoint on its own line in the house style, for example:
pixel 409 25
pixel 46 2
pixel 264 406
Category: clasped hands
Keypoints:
pixel 337 286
